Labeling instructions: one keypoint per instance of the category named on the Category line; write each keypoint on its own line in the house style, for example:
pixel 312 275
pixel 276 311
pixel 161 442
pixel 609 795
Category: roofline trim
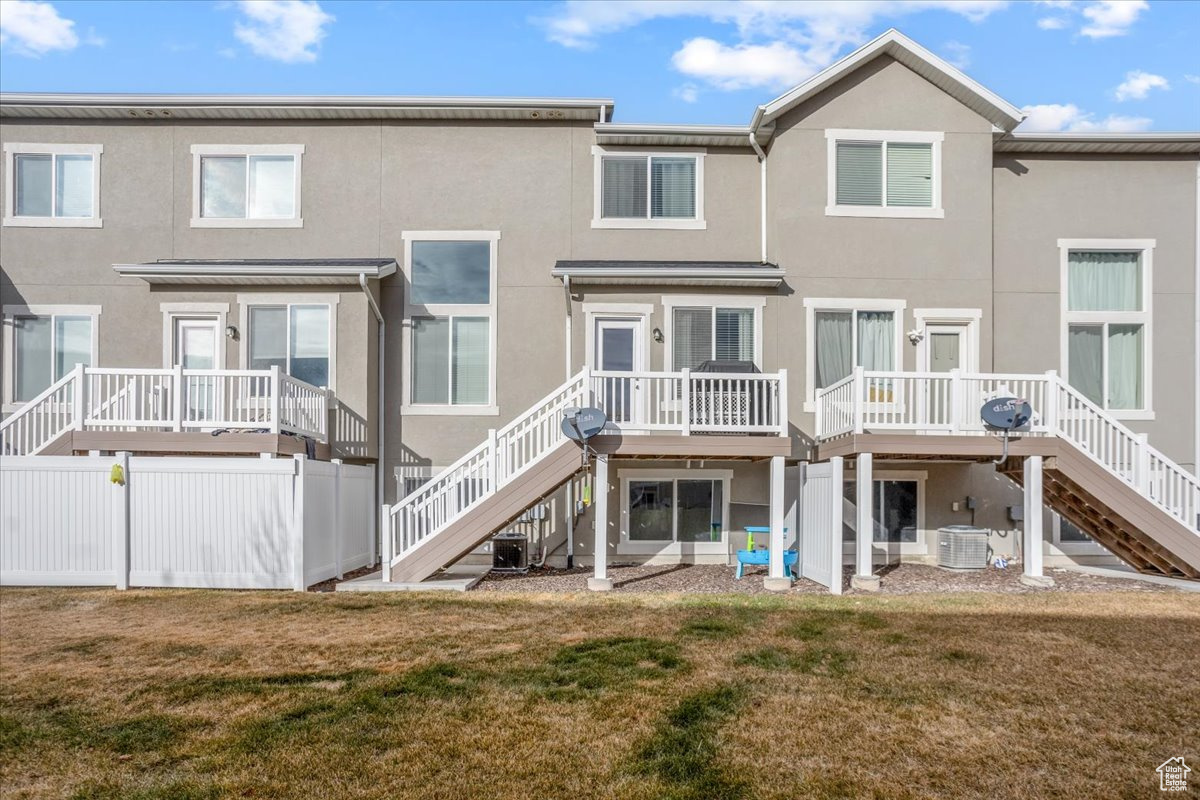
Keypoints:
pixel 218 270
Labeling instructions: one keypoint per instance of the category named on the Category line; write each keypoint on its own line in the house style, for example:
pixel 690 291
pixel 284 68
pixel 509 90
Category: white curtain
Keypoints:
pixel 1099 281
pixel 73 186
pixel 1085 360
pixel 469 375
pixel 272 187
pixel 876 340
pixel 834 348
pixel 1124 366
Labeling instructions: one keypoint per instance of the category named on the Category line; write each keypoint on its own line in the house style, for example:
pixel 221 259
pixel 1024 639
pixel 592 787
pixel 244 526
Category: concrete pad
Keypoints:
pixel 866 583
pixel 1037 581
pixel 600 584
pixel 458 578
pixel 777 584
pixel 1182 584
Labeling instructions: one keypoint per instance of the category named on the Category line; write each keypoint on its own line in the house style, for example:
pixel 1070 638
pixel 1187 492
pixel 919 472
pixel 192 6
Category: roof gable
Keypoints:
pixel 983 101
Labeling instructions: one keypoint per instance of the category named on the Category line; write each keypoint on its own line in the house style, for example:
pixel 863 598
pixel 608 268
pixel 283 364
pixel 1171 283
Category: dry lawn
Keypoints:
pixel 200 694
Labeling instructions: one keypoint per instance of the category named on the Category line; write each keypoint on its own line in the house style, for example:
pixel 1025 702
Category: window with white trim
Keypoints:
pixel 649 190
pixel 848 333
pixel 673 509
pixel 52 185
pixel 44 343
pixel 450 321
pixel 707 329
pixel 1106 321
pixel 246 185
pixel 294 337
pixel 884 173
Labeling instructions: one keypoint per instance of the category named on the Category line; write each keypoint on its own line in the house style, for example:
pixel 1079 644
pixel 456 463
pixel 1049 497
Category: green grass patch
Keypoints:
pixel 581 670
pixel 52 722
pixel 682 752
pixel 813 660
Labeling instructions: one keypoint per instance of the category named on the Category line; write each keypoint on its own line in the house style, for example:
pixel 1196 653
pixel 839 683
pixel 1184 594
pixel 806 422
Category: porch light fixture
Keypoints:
pixel 658 335
pixel 231 332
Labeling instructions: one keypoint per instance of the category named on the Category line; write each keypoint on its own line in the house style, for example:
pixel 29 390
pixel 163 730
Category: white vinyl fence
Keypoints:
pixel 821 510
pixel 231 523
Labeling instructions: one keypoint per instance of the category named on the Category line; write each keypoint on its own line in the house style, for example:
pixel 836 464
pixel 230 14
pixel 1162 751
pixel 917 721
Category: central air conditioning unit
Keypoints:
pixel 510 552
pixel 962 547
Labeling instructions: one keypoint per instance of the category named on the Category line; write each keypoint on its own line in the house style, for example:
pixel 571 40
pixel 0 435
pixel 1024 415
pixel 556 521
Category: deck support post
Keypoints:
pixel 1032 554
pixel 777 580
pixel 600 582
pixel 864 577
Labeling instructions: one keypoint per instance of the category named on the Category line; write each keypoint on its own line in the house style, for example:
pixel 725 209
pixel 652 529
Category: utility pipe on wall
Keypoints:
pixel 382 409
pixel 762 163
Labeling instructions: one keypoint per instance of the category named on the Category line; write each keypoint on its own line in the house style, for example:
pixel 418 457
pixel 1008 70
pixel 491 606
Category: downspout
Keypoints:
pixel 762 162
pixel 571 482
pixel 382 409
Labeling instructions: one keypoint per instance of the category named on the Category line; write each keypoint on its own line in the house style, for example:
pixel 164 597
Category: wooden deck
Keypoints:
pixel 173 443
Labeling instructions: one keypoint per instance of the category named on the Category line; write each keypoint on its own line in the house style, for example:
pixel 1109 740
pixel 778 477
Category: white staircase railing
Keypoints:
pixel 949 403
pixel 479 474
pixel 126 399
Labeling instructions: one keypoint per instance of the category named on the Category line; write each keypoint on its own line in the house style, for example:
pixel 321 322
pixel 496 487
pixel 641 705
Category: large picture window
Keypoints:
pixel 450 321
pixel 1106 318
pixel 649 190
pixel 884 173
pixel 52 185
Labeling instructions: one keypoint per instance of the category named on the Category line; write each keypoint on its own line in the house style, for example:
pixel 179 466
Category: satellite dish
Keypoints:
pixel 1006 413
pixel 581 424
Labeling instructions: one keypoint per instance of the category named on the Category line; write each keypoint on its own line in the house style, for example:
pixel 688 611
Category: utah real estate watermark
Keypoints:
pixel 1172 775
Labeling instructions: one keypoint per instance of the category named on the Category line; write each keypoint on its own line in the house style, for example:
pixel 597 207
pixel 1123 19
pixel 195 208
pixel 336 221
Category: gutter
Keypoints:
pixel 380 389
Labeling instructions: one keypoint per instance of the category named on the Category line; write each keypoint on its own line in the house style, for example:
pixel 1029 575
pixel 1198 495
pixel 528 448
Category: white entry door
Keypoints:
pixel 944 349
pixel 619 348
pixel 196 340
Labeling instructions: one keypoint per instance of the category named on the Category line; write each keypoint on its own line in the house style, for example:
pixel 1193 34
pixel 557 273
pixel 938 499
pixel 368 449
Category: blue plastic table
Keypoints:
pixel 762 557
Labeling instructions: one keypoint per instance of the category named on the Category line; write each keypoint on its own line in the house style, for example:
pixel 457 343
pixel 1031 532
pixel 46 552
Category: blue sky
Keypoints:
pixel 1082 65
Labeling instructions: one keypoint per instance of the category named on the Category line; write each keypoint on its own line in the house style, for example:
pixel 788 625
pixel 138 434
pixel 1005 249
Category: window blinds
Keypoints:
pixel 624 187
pixel 469 370
pixel 673 188
pixel 73 186
pixel 735 334
pixel 431 352
pixel 859 173
pixel 691 338
pixel 909 174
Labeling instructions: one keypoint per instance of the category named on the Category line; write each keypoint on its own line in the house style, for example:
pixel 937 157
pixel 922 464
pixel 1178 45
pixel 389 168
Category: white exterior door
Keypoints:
pixel 195 344
pixel 619 348
pixel 944 349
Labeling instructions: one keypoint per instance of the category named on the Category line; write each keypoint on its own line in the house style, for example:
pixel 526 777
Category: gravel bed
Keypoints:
pixel 717 579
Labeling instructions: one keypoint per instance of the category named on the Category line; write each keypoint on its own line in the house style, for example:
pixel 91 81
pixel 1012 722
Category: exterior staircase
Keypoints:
pixel 1097 473
pixel 530 458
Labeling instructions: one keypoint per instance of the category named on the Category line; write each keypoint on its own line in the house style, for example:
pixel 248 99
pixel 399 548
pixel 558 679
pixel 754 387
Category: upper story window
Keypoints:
pixel 844 333
pixel 450 322
pixel 246 186
pixel 52 185
pixel 292 332
pixel 43 344
pixel 1106 315
pixel 649 190
pixel 884 173
pixel 713 328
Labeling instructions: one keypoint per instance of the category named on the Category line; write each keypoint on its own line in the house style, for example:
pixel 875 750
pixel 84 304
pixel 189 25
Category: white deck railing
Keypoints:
pixel 635 402
pixel 949 403
pixel 127 399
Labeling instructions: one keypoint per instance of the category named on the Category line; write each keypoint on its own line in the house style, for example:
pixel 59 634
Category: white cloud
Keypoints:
pixel 1137 85
pixel 778 42
pixel 1052 23
pixel 33 29
pixel 1111 17
pixel 282 30
pixel 688 93
pixel 1069 117
pixel 775 65
pixel 957 53
pixel 1192 78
